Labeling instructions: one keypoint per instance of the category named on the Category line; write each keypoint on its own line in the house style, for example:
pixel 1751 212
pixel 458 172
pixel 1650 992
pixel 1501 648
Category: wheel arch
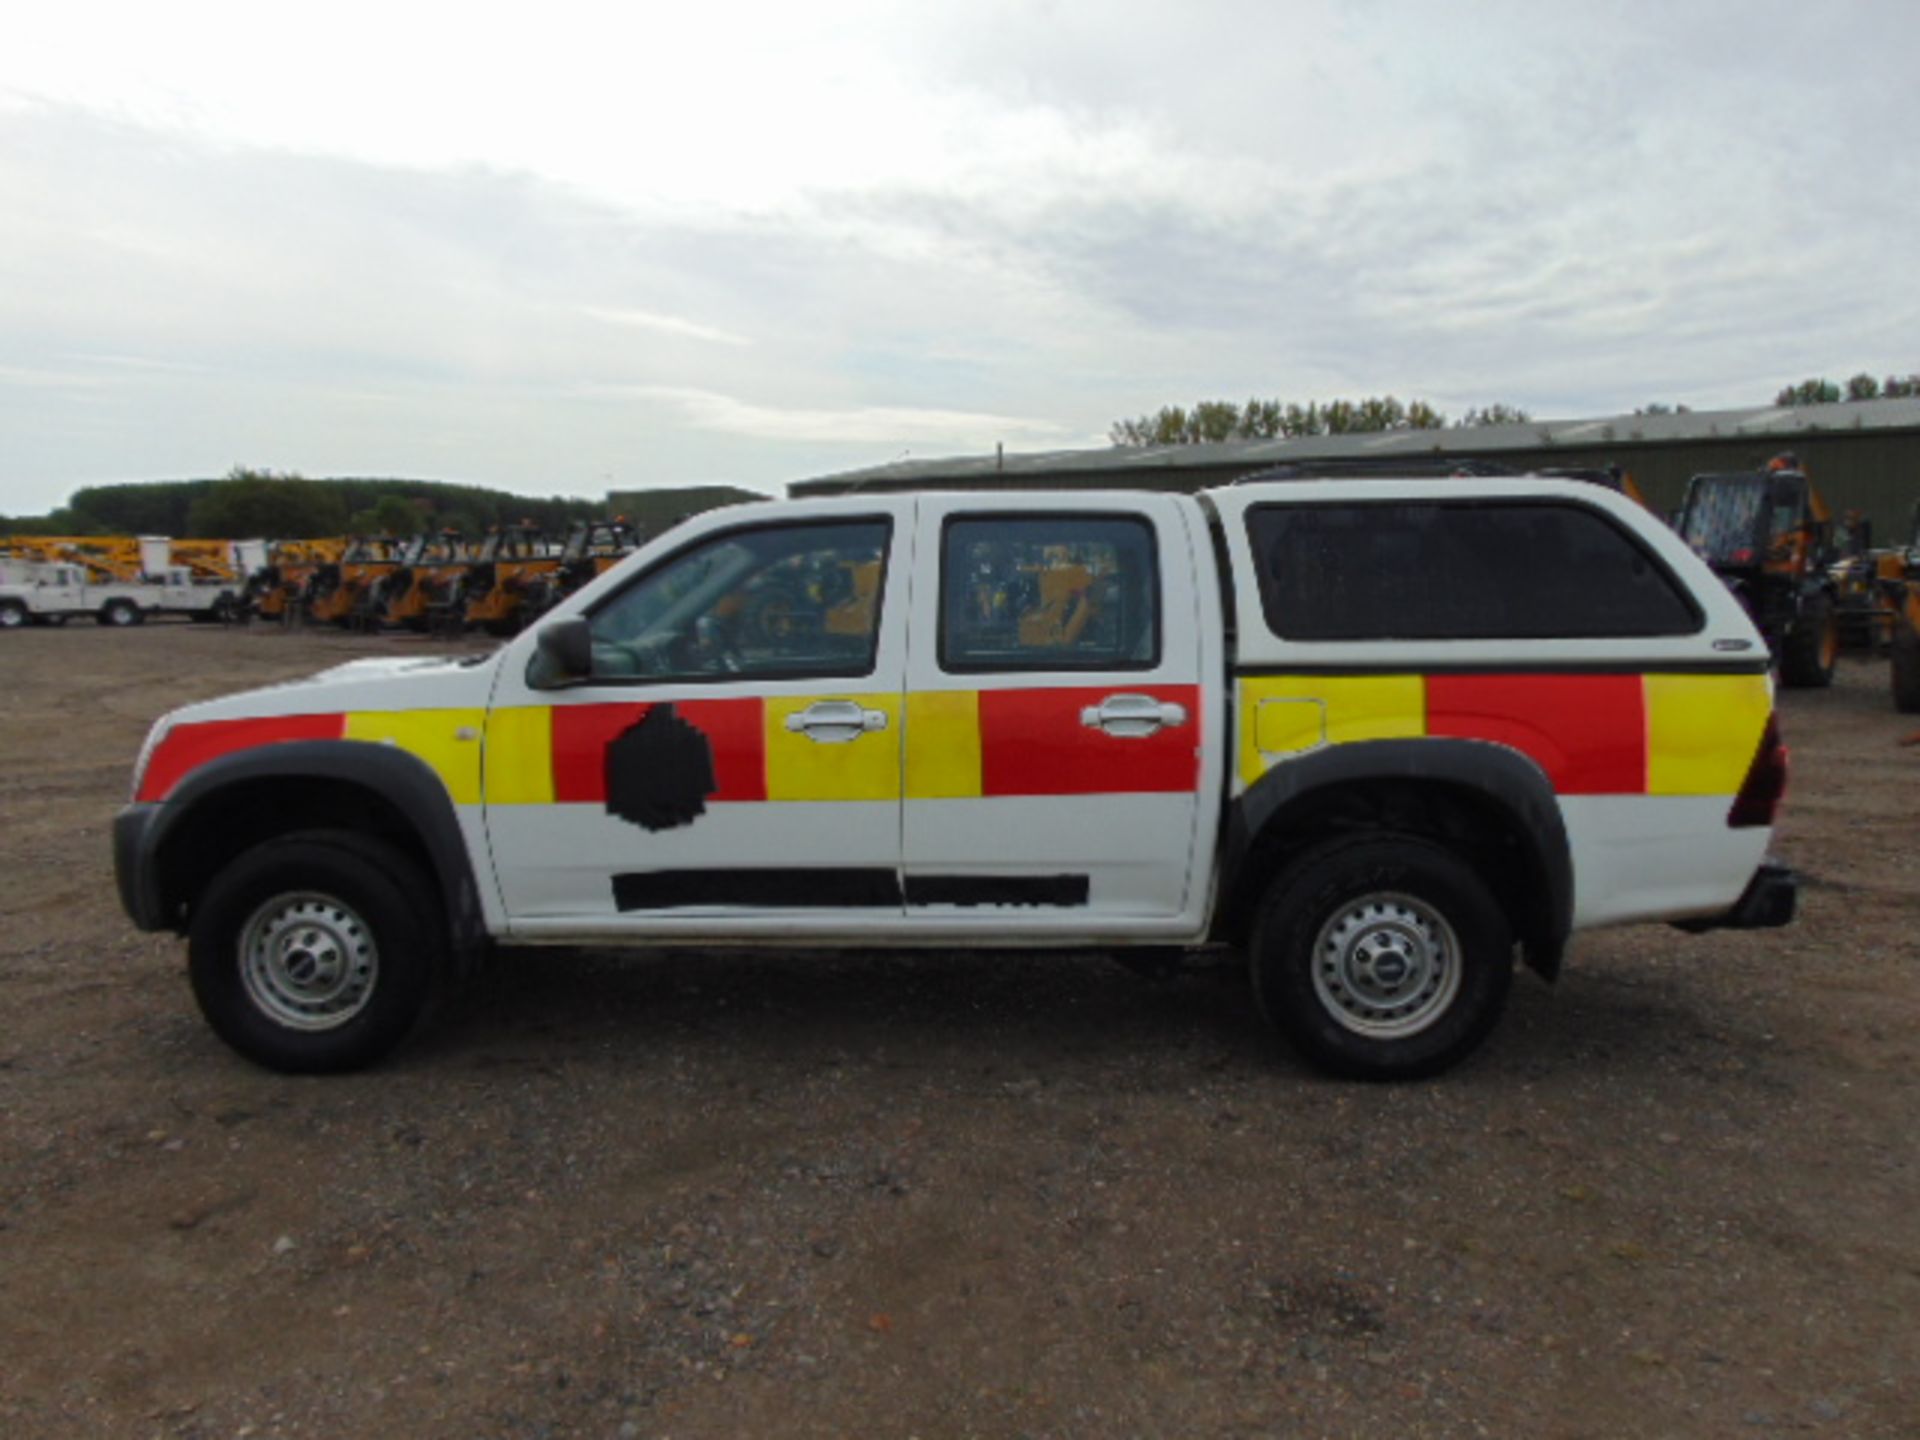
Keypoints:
pixel 237 801
pixel 1492 804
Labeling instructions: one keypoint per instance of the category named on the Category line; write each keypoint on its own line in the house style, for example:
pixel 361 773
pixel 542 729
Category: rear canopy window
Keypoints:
pixel 1460 570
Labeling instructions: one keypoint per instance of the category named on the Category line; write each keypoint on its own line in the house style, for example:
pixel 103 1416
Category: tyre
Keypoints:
pixel 120 613
pixel 317 952
pixel 1812 648
pixel 1382 957
pixel 13 615
pixel 1906 672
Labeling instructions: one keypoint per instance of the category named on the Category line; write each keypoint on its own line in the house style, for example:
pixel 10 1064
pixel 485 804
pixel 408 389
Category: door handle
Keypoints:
pixel 834 722
pixel 1131 716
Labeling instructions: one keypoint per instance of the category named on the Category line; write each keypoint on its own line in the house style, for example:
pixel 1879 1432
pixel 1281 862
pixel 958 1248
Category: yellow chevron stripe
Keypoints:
pixel 1703 731
pixel 519 755
pixel 436 736
pixel 800 767
pixel 1283 715
pixel 943 745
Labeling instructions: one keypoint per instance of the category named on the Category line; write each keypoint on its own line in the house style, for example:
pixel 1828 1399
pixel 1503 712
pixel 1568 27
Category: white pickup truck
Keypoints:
pixel 1382 736
pixel 36 593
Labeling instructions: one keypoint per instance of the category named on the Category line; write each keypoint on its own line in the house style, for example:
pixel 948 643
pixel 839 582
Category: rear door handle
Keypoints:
pixel 1129 717
pixel 835 722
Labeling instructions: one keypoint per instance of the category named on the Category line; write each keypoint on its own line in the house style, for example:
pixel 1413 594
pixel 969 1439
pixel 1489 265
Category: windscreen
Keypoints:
pixel 1724 519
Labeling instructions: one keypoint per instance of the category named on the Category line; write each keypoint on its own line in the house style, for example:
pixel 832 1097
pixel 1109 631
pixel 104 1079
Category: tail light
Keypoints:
pixel 1766 782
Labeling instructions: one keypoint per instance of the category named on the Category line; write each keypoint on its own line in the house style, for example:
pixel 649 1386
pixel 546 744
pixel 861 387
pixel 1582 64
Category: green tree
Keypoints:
pixel 1863 387
pixel 1494 415
pixel 155 508
pixel 1211 421
pixel 259 503
pixel 1809 392
pixel 391 514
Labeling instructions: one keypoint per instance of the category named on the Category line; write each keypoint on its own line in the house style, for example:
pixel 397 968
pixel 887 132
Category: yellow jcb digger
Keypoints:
pixel 515 564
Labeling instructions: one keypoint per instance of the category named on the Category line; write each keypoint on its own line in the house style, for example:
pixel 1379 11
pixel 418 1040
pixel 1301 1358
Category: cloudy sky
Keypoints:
pixel 563 247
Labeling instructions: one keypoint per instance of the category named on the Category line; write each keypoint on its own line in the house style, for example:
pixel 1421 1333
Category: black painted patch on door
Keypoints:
pixel 1033 891
pixel 764 888
pixel 660 771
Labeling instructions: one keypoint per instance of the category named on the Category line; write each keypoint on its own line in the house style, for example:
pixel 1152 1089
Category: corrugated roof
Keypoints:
pixel 1765 423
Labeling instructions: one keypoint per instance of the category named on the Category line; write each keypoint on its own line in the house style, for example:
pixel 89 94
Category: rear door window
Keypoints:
pixel 1049 592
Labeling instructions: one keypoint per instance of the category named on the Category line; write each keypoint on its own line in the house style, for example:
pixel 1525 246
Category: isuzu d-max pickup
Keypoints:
pixel 1382 736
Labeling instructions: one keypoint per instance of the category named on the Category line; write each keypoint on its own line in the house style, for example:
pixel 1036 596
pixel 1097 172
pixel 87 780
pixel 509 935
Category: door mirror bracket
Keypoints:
pixel 565 653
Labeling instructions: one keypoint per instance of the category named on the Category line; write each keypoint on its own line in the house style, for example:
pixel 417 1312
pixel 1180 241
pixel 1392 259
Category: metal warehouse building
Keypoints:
pixel 1863 455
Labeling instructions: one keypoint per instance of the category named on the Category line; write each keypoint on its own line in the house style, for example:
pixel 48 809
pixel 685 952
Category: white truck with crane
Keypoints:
pixel 51 592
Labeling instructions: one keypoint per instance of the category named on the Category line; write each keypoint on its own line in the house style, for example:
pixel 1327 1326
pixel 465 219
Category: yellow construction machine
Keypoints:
pixel 405 594
pixel 515 565
pixel 337 591
pixel 1769 535
pixel 277 589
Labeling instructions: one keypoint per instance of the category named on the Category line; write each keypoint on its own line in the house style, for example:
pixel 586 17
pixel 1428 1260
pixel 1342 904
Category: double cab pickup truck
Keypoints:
pixel 1384 737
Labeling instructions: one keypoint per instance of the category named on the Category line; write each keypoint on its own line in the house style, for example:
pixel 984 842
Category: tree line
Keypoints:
pixel 1213 421
pixel 249 503
pixel 1861 387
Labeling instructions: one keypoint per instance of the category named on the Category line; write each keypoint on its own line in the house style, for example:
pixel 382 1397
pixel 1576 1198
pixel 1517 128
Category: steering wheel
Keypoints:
pixel 707 649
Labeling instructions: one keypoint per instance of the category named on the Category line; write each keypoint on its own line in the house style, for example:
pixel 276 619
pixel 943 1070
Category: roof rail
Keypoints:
pixel 1419 468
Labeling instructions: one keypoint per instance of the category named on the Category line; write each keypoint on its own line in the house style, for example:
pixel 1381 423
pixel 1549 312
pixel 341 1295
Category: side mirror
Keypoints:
pixel 566 647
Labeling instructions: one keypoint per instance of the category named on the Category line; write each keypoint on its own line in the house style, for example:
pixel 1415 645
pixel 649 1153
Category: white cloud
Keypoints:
pixel 665 325
pixel 751 241
pixel 866 425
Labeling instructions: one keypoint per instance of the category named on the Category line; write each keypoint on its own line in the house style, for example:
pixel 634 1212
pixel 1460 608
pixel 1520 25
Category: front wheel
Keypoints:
pixel 120 613
pixel 317 952
pixel 1382 958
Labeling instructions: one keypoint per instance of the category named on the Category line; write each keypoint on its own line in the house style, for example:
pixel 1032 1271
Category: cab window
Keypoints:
pixel 779 600
pixel 1049 592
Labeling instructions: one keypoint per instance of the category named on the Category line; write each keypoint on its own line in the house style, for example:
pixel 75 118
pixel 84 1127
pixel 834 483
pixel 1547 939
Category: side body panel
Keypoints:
pixel 715 807
pixel 1645 741
pixel 428 709
pixel 1026 813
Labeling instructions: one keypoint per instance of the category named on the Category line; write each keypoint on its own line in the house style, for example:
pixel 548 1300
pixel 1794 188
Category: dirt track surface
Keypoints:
pixel 956 1194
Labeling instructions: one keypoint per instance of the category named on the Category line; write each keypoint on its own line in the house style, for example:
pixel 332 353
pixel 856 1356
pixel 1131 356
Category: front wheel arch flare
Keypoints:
pixel 391 782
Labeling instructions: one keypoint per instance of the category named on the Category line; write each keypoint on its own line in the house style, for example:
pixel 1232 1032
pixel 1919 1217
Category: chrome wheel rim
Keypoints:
pixel 308 961
pixel 1386 965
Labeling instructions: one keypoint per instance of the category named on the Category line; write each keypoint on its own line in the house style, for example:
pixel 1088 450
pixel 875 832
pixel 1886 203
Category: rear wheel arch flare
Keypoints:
pixel 1486 797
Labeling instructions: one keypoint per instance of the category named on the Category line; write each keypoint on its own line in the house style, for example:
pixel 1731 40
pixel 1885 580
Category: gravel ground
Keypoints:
pixel 955 1194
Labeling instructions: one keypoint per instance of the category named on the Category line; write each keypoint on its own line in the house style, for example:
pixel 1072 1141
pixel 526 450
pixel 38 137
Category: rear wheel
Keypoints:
pixel 1906 672
pixel 120 613
pixel 13 615
pixel 317 952
pixel 1812 648
pixel 1382 958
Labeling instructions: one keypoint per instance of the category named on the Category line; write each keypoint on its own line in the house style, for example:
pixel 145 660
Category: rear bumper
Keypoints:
pixel 1769 901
